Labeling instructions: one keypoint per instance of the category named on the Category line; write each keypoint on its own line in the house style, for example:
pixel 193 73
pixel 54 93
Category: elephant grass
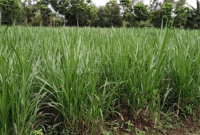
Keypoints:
pixel 84 72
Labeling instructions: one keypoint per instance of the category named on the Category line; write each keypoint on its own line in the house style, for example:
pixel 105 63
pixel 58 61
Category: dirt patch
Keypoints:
pixel 123 123
pixel 190 127
pixel 88 129
pixel 147 123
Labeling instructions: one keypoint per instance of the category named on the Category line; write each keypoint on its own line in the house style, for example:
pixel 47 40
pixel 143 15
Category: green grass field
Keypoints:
pixel 54 78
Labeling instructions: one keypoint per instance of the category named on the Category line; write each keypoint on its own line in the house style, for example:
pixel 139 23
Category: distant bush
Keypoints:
pixel 144 24
pixel 182 14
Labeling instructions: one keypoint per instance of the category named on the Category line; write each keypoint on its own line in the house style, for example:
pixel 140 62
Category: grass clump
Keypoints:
pixel 75 76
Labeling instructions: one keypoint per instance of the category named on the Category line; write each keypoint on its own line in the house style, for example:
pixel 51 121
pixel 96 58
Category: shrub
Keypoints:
pixel 181 18
pixel 144 24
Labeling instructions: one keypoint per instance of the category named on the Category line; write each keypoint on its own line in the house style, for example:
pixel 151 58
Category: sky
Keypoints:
pixel 103 2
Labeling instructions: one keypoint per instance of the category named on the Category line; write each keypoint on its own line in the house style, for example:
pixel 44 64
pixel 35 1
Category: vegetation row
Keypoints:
pixel 54 79
pixel 126 13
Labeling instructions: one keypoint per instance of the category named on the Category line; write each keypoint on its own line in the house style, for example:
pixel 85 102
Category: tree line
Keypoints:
pixel 126 13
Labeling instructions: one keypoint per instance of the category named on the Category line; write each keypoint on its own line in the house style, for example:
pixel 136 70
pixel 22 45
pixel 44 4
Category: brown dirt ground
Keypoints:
pixel 144 121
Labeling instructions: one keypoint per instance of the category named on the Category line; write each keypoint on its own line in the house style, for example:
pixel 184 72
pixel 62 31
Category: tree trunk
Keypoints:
pixel 41 22
pixel 50 22
pixel 64 22
pixel 77 21
pixel 13 21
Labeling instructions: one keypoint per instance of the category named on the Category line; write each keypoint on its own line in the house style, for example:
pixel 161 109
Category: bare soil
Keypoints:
pixel 145 123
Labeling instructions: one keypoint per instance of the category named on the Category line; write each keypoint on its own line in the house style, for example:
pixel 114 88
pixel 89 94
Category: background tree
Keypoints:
pixel 28 10
pixel 127 6
pixel 155 5
pixel 162 16
pixel 103 20
pixel 37 19
pixel 10 10
pixel 182 13
pixel 168 1
pixel 83 12
pixel 179 4
pixel 112 9
pixel 133 2
pixel 44 12
pixel 128 15
pixel 77 12
pixel 140 12
pixel 91 14
pixel 2 6
pixel 166 10
pixel 154 14
pixel 62 7
pixel 54 20
pixel 166 13
pixel 1 2
pixel 194 19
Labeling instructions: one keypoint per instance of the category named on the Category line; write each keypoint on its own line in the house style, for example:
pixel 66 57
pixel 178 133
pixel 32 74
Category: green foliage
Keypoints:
pixel 140 132
pixel 143 24
pixel 155 5
pixel 169 1
pixel 37 19
pixel 87 75
pixel 128 15
pixel 163 16
pixel 60 6
pixel 140 12
pixel 38 132
pixel 91 14
pixel 179 4
pixel 194 19
pixel 77 12
pixel 19 96
pixel 28 13
pixel 44 12
pixel 166 10
pixel 155 18
pixel 102 20
pixel 129 126
pixel 11 11
pixel 182 14
pixel 109 15
pixel 125 3
pixel 85 13
pixel 113 13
